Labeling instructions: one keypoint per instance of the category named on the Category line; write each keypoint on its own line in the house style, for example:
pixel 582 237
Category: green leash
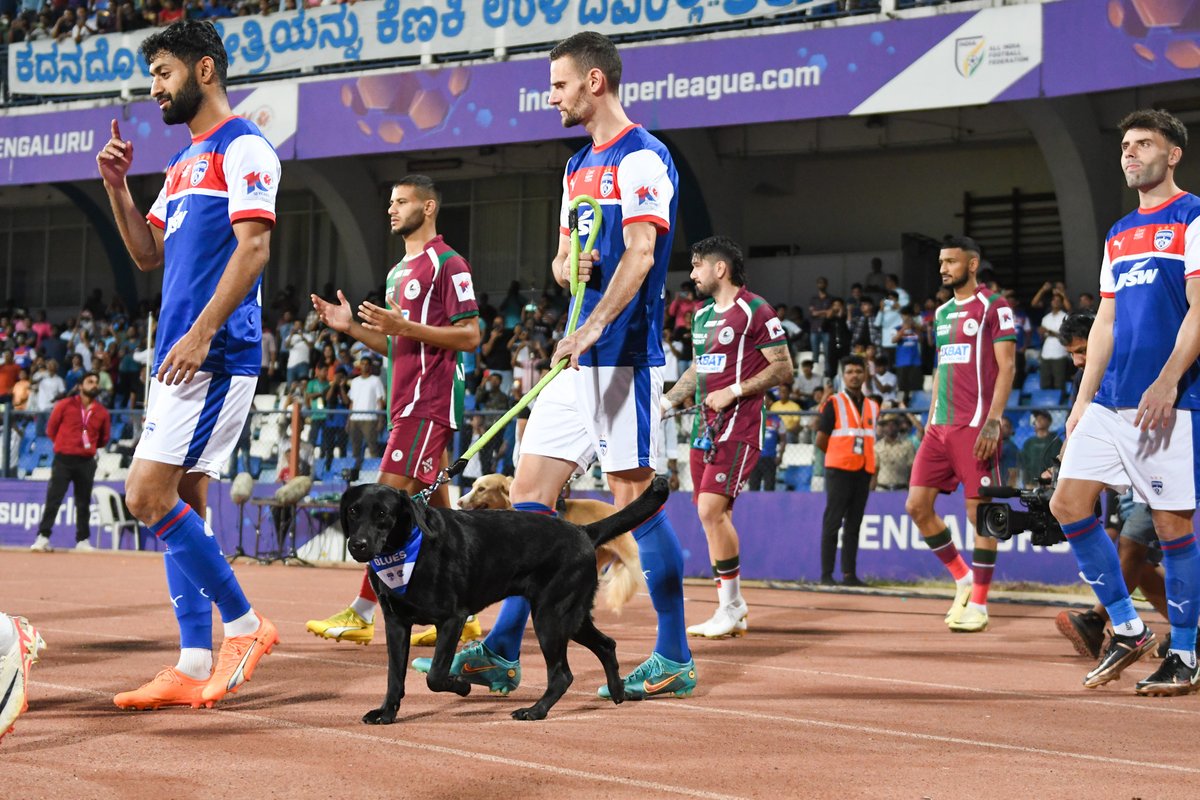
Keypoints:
pixel 577 305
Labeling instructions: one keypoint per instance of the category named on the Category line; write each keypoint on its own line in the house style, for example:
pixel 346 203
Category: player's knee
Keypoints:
pixel 918 510
pixel 145 504
pixel 1065 508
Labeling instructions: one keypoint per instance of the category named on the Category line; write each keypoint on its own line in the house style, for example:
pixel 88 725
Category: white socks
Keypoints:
pixel 729 591
pixel 244 625
pixel 195 662
pixel 1134 627
pixel 364 608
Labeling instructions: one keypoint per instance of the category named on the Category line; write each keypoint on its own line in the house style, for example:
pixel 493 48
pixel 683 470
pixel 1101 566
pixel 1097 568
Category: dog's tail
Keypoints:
pixel 631 515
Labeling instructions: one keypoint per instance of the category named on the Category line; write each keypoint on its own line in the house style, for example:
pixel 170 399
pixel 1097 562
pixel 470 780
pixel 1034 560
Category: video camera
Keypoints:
pixel 1001 521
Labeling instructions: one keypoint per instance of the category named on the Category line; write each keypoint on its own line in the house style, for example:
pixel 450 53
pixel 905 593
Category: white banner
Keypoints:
pixel 364 31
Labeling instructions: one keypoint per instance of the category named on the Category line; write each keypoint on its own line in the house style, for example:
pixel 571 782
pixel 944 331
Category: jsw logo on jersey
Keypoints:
pixel 175 222
pixel 1137 275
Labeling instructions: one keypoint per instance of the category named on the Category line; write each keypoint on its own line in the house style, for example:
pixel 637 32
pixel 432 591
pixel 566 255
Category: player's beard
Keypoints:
pixel 1150 175
pixel 578 113
pixel 954 284
pixel 408 226
pixel 184 104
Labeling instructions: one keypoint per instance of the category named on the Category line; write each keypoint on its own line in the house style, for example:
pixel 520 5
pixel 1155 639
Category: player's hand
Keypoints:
pixel 115 158
pixel 335 315
pixel 1073 419
pixel 720 400
pixel 1157 403
pixel 184 359
pixel 587 261
pixel 575 345
pixel 988 441
pixel 388 320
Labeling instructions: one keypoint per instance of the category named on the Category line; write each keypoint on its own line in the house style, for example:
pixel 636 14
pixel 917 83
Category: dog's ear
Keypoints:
pixel 348 499
pixel 508 481
pixel 416 514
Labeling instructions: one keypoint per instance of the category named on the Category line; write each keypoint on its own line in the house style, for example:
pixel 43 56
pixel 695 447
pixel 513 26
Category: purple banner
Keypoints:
pixel 773 545
pixel 1091 46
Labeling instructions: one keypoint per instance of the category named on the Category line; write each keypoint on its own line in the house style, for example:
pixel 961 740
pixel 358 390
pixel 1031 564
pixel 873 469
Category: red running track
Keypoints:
pixel 831 695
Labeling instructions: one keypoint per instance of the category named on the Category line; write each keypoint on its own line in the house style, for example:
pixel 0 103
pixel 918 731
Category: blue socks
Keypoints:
pixel 505 637
pixel 1100 567
pixel 193 610
pixel 1181 560
pixel 197 556
pixel 662 562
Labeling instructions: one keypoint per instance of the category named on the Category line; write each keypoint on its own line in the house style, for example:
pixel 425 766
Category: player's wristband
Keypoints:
pixel 736 389
pixel 665 404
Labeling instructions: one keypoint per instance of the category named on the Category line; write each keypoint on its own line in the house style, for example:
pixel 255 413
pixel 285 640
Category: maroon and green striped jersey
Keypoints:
pixel 433 288
pixel 728 347
pixel 966 331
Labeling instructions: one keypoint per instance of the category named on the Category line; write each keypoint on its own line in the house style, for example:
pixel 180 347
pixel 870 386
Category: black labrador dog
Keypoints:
pixel 468 560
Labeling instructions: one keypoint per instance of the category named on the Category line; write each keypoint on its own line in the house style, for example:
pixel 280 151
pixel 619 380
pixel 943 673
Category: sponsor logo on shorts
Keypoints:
pixel 725 336
pixel 709 363
pixel 985 481
pixel 971 327
pixel 955 353
pixel 427 465
pixel 149 429
pixel 1157 485
pixel 603 446
pixel 722 477
pixel 397 455
pixel 412 289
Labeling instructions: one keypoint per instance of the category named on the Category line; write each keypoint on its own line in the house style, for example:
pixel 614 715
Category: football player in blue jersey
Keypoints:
pixel 607 406
pixel 1135 421
pixel 210 232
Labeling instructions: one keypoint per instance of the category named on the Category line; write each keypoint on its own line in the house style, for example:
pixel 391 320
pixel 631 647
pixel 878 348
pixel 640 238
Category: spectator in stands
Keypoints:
pixel 837 338
pixel 882 384
pixel 22 390
pixel 171 12
pixel 367 398
pixel 54 346
pixel 314 399
pixel 892 284
pixel 788 411
pixel 75 373
pixel 1010 455
pixel 1087 302
pixel 496 357
pixel 875 282
pixel 510 308
pixel 270 359
pixel 762 477
pixel 894 455
pixel 128 18
pixel 79 426
pixel 10 371
pixel 888 321
pixel 491 395
pixel 907 343
pixel 682 306
pixel 337 398
pixel 807 384
pixel 129 370
pixel 1040 450
pixel 82 28
pixel 48 386
pixel 299 346
pixel 863 331
pixel 526 354
pixel 819 306
pixel 1046 293
pixel 1054 362
pixel 102 370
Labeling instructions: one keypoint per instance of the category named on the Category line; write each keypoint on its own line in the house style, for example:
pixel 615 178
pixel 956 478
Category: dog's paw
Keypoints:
pixel 618 696
pixel 460 687
pixel 379 716
pixel 531 713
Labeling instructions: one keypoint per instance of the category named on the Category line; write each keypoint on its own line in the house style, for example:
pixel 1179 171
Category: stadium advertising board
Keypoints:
pixel 366 31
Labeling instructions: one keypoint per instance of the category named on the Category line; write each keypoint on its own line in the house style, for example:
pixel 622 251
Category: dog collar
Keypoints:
pixel 395 569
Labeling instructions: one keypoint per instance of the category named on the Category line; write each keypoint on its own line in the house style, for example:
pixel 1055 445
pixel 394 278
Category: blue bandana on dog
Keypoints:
pixel 395 569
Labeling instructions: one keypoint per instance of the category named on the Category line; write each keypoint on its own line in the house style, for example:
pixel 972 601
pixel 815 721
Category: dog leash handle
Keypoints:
pixel 577 290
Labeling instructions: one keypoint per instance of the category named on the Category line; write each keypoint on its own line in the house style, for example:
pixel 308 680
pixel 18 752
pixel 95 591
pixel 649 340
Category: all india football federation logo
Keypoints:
pixel 1163 238
pixel 969 53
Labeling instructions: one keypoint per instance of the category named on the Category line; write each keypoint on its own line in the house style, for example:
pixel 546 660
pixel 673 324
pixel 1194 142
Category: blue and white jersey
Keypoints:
pixel 1148 258
pixel 228 174
pixel 633 179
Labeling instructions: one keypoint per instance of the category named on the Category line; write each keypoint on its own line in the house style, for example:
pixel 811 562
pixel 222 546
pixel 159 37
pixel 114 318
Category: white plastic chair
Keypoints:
pixel 112 516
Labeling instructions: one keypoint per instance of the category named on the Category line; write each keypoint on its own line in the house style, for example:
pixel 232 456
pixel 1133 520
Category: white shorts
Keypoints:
pixel 610 413
pixel 196 425
pixel 1160 465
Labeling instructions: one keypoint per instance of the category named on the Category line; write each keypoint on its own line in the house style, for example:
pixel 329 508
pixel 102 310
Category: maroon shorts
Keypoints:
pixel 728 471
pixel 946 458
pixel 414 449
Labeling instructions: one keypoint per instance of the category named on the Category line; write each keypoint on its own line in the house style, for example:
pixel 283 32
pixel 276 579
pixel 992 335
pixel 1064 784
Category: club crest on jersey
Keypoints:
pixel 955 353
pixel 709 363
pixel 397 455
pixel 1162 237
pixel 412 289
pixel 725 336
pixel 971 327
pixel 1157 485
pixel 199 169
pixel 606 184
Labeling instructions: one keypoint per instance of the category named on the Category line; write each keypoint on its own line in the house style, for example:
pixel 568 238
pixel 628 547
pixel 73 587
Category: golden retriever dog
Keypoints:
pixel 617 561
